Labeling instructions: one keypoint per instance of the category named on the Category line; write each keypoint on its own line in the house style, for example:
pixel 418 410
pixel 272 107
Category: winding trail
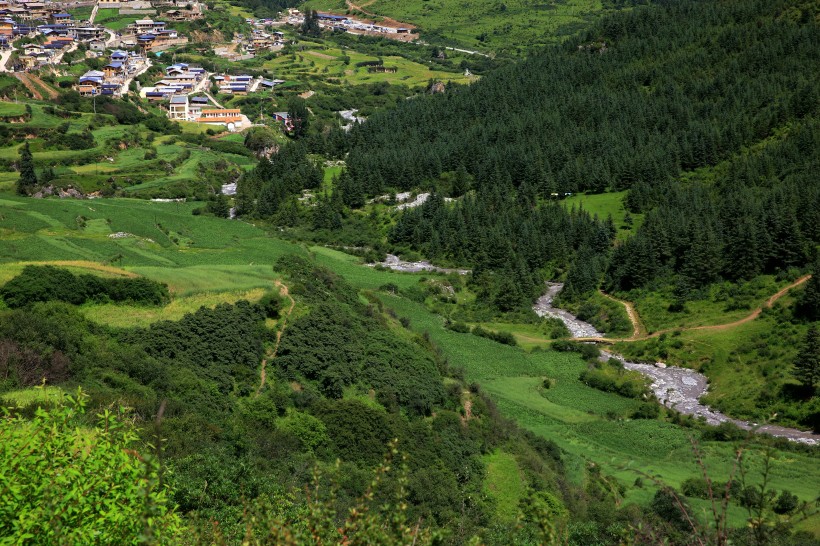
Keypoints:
pixel 638 329
pixel 283 291
pixel 637 326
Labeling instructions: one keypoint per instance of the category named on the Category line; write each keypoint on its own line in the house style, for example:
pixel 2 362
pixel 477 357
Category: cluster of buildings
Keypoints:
pixel 149 35
pixel 112 80
pixel 36 18
pixel 179 79
pixel 345 23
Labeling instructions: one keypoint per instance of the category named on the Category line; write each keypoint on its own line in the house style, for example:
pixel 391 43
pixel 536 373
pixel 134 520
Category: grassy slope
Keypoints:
pixel 227 256
pixel 604 205
pixel 518 25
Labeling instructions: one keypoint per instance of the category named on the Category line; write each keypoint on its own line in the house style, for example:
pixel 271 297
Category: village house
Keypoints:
pixel 114 69
pixel 178 108
pixel 91 32
pixel 145 26
pixel 230 118
pixel 62 19
pixel 234 85
pixel 91 83
pixel 7 28
pixel 96 45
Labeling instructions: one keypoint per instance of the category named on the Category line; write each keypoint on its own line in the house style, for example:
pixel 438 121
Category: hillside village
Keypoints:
pixel 39 35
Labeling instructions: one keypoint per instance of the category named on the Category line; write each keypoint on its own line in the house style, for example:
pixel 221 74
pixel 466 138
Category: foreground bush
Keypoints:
pixel 65 483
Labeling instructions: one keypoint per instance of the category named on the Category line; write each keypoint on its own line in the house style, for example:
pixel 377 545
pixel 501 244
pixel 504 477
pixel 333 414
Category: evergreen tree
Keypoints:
pixel 808 306
pixel 299 117
pixel 807 365
pixel 310 25
pixel 28 178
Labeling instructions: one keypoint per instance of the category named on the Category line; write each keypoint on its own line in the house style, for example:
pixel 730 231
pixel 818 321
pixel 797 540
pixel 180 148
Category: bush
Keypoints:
pixel 505 338
pixel 588 351
pixel 786 503
pixel 695 487
pixel 91 484
pixel 271 304
pixel 459 327
pixel 648 410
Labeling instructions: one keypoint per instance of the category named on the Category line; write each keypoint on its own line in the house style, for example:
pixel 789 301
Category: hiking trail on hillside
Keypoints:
pixel 283 291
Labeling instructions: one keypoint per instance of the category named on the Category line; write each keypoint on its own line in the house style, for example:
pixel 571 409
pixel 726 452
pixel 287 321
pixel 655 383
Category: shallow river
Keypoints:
pixel 678 388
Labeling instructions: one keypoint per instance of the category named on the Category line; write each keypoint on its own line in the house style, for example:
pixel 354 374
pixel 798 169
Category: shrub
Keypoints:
pixel 505 338
pixel 271 304
pixel 695 487
pixel 459 327
pixel 91 484
pixel 648 410
pixel 786 502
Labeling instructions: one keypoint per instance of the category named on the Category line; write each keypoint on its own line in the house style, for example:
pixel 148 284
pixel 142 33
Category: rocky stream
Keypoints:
pixel 677 388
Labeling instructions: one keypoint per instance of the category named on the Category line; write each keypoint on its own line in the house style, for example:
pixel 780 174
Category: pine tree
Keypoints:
pixel 807 365
pixel 28 178
pixel 808 306
pixel 299 117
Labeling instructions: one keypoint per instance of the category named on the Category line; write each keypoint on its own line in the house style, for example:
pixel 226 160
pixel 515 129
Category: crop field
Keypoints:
pixel 125 316
pixel 514 25
pixel 111 18
pixel 327 63
pixel 8 109
pixel 205 260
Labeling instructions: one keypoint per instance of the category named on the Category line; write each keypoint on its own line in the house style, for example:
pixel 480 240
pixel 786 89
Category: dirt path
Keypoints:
pixel 712 327
pixel 28 85
pixel 283 291
pixel 638 329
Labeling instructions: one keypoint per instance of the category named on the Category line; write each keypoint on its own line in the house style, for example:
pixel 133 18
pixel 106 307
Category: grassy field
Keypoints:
pixel 8 109
pixel 504 483
pixel 604 205
pixel 111 18
pixel 514 25
pixel 721 303
pixel 206 260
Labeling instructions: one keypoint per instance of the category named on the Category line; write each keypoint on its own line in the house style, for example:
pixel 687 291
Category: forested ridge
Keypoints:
pixel 706 112
pixel 641 97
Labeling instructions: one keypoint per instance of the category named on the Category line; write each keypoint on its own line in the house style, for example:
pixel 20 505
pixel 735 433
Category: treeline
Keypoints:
pixel 49 283
pixel 628 102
